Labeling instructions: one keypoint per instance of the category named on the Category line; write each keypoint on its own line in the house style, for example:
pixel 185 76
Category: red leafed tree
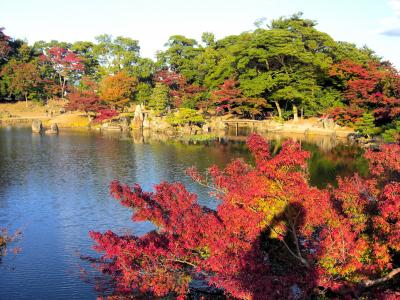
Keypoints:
pixel 105 114
pixel 4 45
pixel 374 87
pixel 65 63
pixel 273 236
pixel 180 91
pixel 229 99
pixel 85 98
pixel 346 116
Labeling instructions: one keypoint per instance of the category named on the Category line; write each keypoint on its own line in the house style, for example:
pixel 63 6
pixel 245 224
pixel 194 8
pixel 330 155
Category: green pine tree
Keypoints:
pixel 366 126
pixel 392 133
pixel 159 99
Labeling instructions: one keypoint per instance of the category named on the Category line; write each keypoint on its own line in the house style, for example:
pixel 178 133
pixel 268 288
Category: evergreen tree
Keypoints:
pixel 159 99
pixel 392 133
pixel 366 125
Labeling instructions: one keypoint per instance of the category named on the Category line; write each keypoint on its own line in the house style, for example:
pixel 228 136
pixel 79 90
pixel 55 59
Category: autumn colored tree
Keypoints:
pixel 372 87
pixel 65 63
pixel 289 67
pixel 182 94
pixel 189 96
pixel 272 236
pixel 85 98
pixel 345 115
pixel 229 99
pixel 172 79
pixel 4 45
pixel 105 114
pixel 23 78
pixel 6 239
pixel 117 90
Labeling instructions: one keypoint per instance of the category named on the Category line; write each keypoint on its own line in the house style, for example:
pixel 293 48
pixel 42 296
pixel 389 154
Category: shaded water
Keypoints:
pixel 55 189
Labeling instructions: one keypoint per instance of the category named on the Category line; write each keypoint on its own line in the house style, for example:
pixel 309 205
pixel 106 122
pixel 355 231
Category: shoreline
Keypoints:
pixel 288 127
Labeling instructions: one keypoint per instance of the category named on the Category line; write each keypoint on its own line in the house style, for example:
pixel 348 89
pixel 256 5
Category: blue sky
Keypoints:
pixel 375 23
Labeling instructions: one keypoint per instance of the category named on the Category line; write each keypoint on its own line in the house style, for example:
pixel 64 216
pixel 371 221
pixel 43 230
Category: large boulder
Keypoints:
pixel 186 129
pixel 125 123
pixel 53 129
pixel 146 122
pixel 37 126
pixel 159 124
pixel 196 129
pixel 205 128
pixel 138 117
pixel 326 123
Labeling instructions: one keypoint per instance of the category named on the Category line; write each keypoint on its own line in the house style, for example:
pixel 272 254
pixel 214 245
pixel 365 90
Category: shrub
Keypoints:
pixel 366 125
pixel 185 116
pixel 392 134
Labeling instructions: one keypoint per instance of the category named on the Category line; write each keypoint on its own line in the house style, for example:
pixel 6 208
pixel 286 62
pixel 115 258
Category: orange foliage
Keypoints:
pixel 118 89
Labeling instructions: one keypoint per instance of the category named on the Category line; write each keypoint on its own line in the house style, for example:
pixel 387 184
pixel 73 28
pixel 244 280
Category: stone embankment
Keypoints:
pixel 147 120
pixel 144 119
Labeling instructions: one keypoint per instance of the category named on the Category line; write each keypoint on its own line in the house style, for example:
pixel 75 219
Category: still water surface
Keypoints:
pixel 55 190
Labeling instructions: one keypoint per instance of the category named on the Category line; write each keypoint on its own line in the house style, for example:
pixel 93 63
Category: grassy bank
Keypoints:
pixel 19 112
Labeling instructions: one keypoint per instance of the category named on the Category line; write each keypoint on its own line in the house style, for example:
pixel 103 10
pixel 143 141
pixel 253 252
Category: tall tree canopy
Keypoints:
pixel 116 54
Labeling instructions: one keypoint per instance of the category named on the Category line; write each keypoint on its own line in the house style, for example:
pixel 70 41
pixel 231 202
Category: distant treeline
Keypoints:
pixel 285 70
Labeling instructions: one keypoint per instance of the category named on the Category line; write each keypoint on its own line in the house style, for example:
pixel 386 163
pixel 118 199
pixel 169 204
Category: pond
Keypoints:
pixel 55 190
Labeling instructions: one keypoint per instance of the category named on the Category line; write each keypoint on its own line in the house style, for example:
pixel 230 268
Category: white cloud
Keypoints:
pixel 395 5
pixel 391 25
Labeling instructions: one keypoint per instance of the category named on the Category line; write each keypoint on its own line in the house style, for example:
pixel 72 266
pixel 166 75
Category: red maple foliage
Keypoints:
pixel 172 79
pixel 346 115
pixel 180 91
pixel 65 63
pixel 229 99
pixel 105 114
pixel 85 98
pixel 373 87
pixel 4 44
pixel 273 236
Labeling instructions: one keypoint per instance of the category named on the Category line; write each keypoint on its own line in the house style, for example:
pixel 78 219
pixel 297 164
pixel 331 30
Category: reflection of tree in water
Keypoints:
pixel 330 157
pixel 6 240
pixel 325 167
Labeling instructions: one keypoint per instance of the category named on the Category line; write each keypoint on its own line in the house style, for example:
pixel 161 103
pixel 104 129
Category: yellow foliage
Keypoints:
pixel 118 89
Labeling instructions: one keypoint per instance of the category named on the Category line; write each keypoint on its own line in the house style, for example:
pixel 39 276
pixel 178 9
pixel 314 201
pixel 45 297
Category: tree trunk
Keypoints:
pixel 61 84
pixel 295 113
pixel 26 99
pixel 369 283
pixel 63 88
pixel 278 108
pixel 373 282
